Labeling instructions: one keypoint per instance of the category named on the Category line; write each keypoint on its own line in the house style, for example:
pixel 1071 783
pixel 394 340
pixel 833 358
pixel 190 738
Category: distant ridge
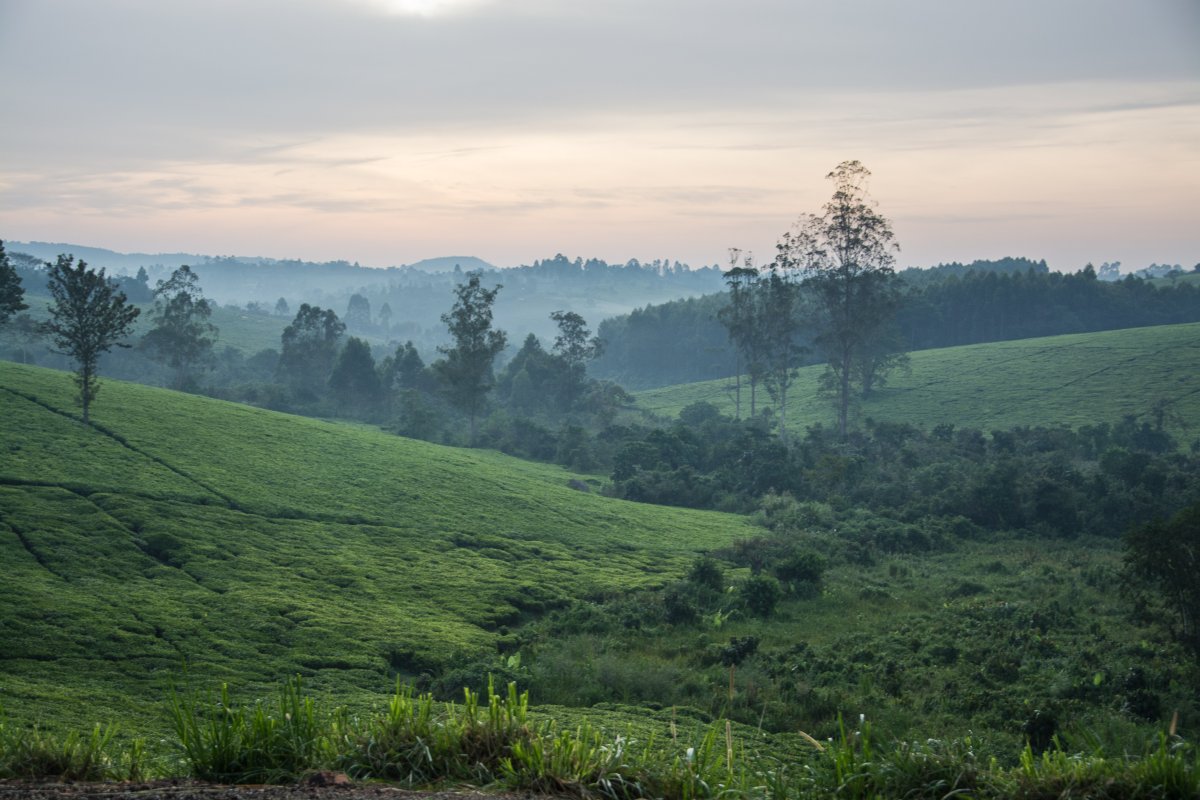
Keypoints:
pixel 448 263
pixel 125 263
pixel 130 262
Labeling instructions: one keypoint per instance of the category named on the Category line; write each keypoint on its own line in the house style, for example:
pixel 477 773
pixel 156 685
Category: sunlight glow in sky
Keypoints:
pixel 386 131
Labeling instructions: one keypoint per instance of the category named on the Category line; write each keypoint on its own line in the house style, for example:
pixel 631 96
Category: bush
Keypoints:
pixel 801 571
pixel 706 573
pixel 760 594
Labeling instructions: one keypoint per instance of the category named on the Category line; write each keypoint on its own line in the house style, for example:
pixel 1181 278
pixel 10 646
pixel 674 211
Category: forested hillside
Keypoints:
pixel 683 341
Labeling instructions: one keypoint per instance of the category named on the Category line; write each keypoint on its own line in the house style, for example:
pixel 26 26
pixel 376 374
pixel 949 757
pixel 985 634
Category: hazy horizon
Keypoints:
pixel 390 131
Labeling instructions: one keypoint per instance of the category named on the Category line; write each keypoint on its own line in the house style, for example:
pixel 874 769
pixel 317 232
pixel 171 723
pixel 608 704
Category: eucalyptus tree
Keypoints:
pixel 466 369
pixel 575 346
pixel 89 316
pixel 846 255
pixel 741 322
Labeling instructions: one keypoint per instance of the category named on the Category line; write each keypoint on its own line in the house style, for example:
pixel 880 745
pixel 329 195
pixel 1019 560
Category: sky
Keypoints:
pixel 387 131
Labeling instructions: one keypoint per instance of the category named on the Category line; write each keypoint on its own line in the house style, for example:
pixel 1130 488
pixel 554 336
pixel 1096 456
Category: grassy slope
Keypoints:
pixel 1075 380
pixel 256 544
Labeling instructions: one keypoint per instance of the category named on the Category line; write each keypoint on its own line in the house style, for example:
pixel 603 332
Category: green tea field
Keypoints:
pixel 1074 380
pixel 252 545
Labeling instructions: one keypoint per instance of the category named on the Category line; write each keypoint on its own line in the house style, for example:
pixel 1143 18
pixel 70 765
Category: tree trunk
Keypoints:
pixel 783 437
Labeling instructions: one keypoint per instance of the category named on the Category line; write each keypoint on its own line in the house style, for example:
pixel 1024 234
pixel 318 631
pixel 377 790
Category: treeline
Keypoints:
pixel 403 303
pixel 1054 481
pixel 683 341
pixel 540 404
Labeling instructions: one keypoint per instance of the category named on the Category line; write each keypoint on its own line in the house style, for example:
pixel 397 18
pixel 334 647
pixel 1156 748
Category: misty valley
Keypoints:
pixel 817 527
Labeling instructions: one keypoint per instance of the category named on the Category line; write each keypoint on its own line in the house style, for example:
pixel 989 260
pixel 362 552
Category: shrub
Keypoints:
pixel 760 594
pixel 706 573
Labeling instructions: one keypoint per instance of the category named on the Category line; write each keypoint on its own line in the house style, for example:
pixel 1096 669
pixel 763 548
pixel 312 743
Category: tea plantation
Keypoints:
pixel 1072 380
pixel 251 545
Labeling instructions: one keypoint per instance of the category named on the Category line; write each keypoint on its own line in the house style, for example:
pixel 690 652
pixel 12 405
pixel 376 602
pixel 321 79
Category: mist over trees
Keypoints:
pixel 466 368
pixel 182 336
pixel 986 301
pixel 309 348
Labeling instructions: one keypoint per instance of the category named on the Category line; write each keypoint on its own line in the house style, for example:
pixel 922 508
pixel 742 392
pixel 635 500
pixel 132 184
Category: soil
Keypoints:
pixel 332 788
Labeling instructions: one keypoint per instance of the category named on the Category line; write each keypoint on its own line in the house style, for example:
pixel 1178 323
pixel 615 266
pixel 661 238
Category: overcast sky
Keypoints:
pixel 386 131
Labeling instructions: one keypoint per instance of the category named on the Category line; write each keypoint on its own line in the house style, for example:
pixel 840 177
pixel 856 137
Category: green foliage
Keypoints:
pixel 353 379
pixel 88 317
pixel 34 754
pixel 11 292
pixel 182 336
pixel 255 544
pixel 309 348
pixel 466 369
pixel 760 594
pixel 1165 556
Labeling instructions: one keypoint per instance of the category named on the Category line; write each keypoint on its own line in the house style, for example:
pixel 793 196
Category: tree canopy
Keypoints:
pixel 182 336
pixel 466 370
pixel 88 317
pixel 11 292
pixel 847 257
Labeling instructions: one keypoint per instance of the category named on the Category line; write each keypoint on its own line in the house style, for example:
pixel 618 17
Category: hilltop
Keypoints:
pixel 254 545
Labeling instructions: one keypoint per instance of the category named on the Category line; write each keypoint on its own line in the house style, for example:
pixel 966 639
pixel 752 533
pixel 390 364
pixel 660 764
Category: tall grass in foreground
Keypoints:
pixel 30 753
pixel 490 740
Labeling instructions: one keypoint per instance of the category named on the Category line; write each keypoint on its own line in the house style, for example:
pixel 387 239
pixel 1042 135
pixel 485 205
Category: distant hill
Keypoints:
pixel 113 262
pixel 1079 379
pixel 257 545
pixel 448 264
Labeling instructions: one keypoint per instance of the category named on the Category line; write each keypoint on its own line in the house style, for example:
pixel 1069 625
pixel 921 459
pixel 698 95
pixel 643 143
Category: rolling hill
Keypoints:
pixel 1079 379
pixel 253 545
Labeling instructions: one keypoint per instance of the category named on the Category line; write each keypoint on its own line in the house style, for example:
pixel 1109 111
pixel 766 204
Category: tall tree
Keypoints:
pixel 466 369
pixel 309 347
pixel 846 255
pixel 11 293
pixel 88 317
pixel 358 313
pixel 575 345
pixel 182 336
pixel 741 323
pixel 1166 557
pixel 354 380
pixel 779 321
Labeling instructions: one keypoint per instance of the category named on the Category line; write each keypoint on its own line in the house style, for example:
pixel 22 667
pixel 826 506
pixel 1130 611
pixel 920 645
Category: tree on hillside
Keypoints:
pixel 1166 556
pixel 182 336
pixel 574 342
pixel 11 293
pixel 740 322
pixel 88 316
pixel 358 313
pixel 846 255
pixel 466 370
pixel 309 347
pixel 354 380
pixel 281 307
pixel 575 346
pixel 780 321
